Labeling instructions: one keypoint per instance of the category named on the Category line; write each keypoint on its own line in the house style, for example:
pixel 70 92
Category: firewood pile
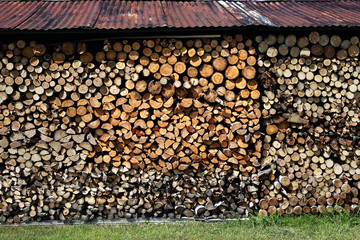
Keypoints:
pixel 204 128
pixel 141 128
pixel 311 123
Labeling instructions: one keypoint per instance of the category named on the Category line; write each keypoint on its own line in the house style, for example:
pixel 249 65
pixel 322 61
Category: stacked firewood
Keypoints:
pixel 151 128
pixel 311 123
pixel 173 128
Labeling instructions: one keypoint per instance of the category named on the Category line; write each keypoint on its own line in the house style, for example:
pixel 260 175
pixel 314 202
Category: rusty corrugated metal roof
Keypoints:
pixel 63 15
pixel 119 14
pixel 12 14
pixel 197 14
pixel 300 13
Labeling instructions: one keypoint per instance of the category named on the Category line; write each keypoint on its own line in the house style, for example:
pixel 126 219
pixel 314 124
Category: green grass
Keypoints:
pixel 340 226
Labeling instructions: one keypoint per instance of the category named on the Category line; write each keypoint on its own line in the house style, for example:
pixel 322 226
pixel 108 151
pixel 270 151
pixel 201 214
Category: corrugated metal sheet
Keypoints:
pixel 197 14
pixel 13 14
pixel 304 13
pixel 63 15
pixel 119 14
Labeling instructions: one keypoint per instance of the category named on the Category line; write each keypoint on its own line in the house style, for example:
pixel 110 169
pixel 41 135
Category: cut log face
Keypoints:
pixel 220 64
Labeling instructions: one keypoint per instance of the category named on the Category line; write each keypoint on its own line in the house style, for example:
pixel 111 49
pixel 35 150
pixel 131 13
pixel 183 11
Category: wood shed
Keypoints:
pixel 199 109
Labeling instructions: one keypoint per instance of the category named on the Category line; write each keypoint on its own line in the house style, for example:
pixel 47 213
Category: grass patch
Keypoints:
pixel 328 226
